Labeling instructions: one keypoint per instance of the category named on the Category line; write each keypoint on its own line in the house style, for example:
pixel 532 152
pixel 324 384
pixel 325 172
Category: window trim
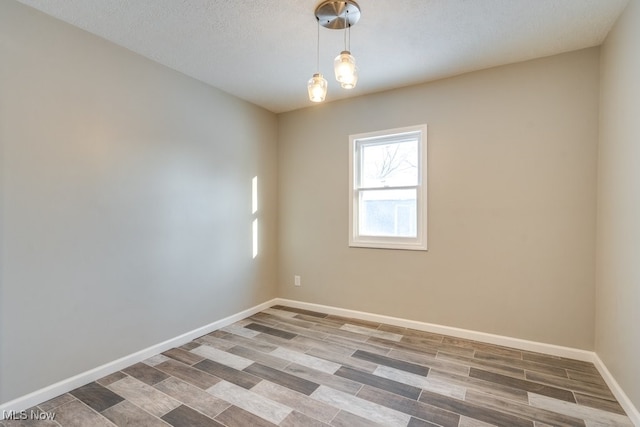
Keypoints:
pixel 384 242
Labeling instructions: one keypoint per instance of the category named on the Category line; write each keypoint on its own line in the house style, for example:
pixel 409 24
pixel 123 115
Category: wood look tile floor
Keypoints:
pixel 291 367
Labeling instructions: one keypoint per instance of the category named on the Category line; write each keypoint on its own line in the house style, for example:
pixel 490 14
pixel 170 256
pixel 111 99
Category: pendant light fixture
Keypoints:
pixel 344 65
pixel 317 85
pixel 336 15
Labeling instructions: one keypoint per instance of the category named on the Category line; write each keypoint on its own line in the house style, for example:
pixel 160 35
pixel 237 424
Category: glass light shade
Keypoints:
pixel 317 87
pixel 344 66
pixel 351 83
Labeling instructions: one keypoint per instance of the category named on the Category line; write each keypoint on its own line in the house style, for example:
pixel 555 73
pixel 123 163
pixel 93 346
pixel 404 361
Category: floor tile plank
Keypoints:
pixel 237 417
pixel 576 365
pixel 301 311
pixel 601 391
pixel 296 419
pixel 237 377
pixel 126 413
pixel 416 422
pixel 279 313
pixel 282 378
pixel 380 382
pixel 411 407
pixel 483 347
pixel 323 344
pixel 111 378
pixel 523 410
pixel 144 396
pixel 479 412
pixel 96 396
pixel 223 357
pixel 359 345
pixel 586 377
pixel 279 342
pixel 186 357
pixel 260 357
pixel 360 322
pixel 254 403
pixel 595 416
pixel 430 383
pixel 523 364
pixel 597 403
pixel 145 373
pixel 347 419
pixel 187 373
pixel 371 332
pixel 467 382
pixel 344 360
pixel 422 348
pixel 530 386
pixel 306 360
pixel 213 341
pixel 501 368
pixel 394 363
pixel 192 396
pixel 51 404
pixel 430 361
pixel 249 343
pixel 297 401
pixel 337 332
pixel 361 407
pixel 183 416
pixel 77 414
pixel 333 381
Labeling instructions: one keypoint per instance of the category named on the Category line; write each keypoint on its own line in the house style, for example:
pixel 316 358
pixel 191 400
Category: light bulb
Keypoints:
pixel 350 83
pixel 345 69
pixel 317 87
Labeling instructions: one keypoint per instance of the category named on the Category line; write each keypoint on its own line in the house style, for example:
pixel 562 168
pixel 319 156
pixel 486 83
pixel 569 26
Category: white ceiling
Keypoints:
pixel 264 51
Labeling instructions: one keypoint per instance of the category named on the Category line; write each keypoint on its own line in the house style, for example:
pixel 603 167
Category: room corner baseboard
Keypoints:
pixel 551 349
pixel 39 396
pixel 618 392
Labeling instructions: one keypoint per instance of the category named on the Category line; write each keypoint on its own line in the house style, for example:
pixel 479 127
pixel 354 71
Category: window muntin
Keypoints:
pixel 388 197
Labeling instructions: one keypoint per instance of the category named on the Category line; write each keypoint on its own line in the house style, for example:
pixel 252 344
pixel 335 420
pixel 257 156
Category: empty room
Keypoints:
pixel 319 213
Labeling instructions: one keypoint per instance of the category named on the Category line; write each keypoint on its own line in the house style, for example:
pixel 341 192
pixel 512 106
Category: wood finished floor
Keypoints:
pixel 292 367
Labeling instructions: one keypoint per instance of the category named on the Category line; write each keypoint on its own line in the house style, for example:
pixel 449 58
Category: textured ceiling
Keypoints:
pixel 264 51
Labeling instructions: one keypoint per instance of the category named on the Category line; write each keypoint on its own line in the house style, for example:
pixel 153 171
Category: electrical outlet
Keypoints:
pixel 296 281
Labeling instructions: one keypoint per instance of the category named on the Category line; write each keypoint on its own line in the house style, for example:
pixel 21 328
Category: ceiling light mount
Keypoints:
pixel 335 15
pixel 338 14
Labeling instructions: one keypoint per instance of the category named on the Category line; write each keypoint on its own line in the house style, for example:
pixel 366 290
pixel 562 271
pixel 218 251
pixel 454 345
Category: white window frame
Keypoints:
pixel 419 243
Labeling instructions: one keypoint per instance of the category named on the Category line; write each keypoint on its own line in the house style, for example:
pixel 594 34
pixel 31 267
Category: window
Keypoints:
pixel 388 180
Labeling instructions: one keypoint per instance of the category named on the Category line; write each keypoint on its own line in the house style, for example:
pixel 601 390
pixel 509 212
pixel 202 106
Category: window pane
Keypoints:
pixel 389 165
pixel 390 213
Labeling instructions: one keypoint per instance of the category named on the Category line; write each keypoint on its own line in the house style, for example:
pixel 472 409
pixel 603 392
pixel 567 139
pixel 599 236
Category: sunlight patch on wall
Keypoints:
pixel 254 211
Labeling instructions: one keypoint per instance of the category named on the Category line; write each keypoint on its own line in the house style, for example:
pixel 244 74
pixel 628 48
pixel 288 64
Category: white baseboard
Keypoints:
pixel 81 379
pixel 39 396
pixel 618 392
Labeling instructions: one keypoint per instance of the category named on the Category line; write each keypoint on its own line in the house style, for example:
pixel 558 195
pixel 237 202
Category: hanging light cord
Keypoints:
pixel 318 46
pixel 346 23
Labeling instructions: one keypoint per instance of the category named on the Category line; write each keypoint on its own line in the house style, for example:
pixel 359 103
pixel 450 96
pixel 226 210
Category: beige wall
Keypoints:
pixel 512 201
pixel 618 238
pixel 125 202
